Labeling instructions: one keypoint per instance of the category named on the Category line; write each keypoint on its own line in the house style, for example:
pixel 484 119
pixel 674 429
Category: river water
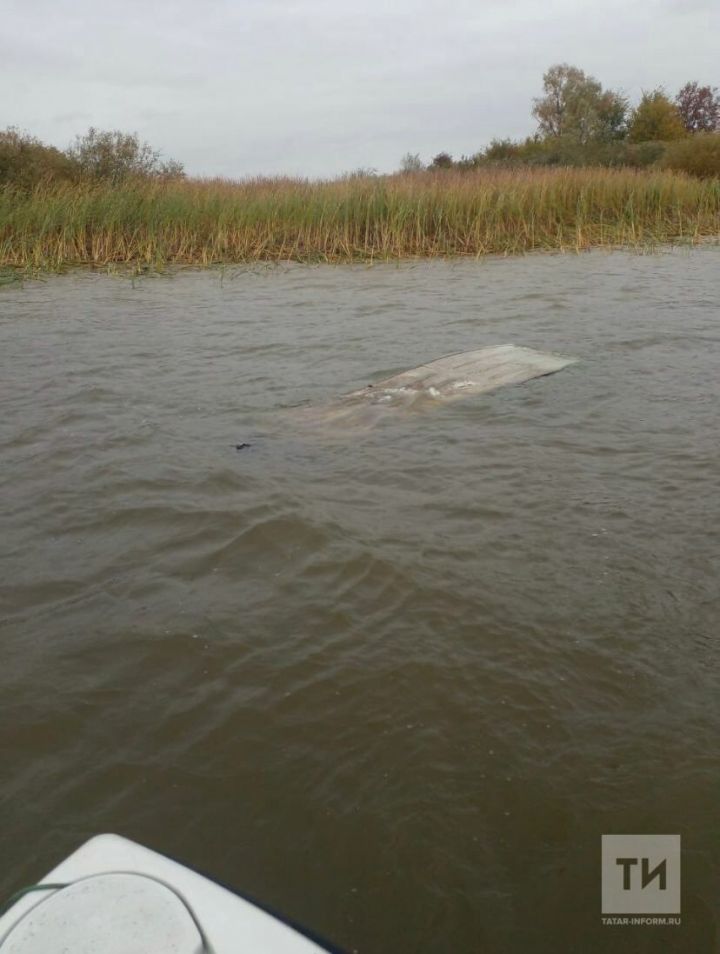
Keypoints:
pixel 397 684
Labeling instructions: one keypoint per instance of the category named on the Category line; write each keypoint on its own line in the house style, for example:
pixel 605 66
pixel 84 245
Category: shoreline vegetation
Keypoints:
pixel 157 223
pixel 595 174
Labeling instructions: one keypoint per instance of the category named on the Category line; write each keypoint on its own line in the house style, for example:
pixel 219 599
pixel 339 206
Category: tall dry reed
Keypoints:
pixel 201 222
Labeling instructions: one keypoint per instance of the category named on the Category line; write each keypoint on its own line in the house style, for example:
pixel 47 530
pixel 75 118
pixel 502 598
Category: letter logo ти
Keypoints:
pixel 641 874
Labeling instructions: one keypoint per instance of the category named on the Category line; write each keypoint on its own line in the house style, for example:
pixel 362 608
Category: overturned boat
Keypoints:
pixel 452 378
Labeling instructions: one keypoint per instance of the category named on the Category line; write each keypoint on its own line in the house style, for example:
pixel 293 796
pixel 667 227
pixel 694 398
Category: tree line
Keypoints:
pixel 109 156
pixel 581 123
pixel 578 123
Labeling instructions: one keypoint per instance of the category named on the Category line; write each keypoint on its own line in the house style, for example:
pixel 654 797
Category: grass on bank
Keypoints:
pixel 198 222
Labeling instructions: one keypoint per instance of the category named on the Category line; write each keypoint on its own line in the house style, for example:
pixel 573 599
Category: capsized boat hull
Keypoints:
pixel 443 381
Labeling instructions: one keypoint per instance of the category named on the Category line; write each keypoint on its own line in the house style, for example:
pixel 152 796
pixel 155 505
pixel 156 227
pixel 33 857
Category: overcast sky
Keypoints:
pixel 317 87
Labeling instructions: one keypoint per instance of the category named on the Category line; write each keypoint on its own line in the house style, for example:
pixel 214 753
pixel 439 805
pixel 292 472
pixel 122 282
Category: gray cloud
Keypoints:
pixel 237 87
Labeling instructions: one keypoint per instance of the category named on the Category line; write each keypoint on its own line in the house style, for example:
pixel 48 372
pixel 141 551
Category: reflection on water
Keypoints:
pixel 396 686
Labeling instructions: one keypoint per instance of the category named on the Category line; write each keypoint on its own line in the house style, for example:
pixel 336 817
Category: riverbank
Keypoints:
pixel 205 222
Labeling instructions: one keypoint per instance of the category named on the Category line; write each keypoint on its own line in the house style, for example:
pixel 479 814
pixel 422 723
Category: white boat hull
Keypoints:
pixel 122 898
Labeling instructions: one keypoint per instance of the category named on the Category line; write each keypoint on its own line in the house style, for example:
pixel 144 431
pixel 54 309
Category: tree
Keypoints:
pixel 611 116
pixel 575 105
pixel 699 107
pixel 656 119
pixel 116 155
pixel 411 162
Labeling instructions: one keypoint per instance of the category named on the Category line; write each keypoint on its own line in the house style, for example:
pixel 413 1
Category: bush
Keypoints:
pixel 567 151
pixel 115 156
pixel 362 172
pixel 699 155
pixel 443 160
pixel 26 162
pixel 640 155
pixel 411 162
pixel 501 150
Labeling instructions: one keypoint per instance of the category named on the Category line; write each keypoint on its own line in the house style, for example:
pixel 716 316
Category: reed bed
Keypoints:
pixel 204 222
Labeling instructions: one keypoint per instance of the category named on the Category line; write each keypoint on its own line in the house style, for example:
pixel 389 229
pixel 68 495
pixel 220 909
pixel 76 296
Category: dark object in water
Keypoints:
pixel 239 447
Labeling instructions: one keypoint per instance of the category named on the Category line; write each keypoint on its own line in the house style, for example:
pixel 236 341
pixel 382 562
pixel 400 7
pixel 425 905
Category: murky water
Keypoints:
pixel 396 685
